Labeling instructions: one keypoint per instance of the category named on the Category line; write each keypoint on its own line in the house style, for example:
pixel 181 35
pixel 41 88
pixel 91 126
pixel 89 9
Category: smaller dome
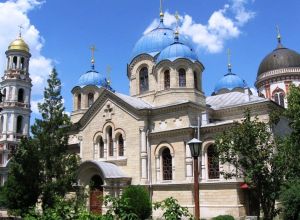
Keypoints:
pixel 175 51
pixel 230 81
pixel 18 44
pixel 91 77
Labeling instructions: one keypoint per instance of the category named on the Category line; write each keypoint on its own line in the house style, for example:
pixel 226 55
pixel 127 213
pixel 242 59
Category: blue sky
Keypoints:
pixel 60 33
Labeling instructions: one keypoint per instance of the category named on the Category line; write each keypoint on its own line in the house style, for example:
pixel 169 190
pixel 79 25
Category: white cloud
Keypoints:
pixel 40 66
pixel 34 106
pixel 223 24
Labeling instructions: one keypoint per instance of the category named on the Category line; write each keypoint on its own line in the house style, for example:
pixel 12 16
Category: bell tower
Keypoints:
pixel 15 87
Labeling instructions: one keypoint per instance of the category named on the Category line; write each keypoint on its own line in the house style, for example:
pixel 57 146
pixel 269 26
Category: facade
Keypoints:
pixel 15 87
pixel 141 139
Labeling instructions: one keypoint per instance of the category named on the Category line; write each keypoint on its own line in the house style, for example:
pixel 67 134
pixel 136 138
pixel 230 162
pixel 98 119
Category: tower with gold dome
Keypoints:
pixel 16 89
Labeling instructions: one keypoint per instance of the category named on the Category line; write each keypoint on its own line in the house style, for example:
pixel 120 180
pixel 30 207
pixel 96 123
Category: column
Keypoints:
pixel 188 163
pixel 268 92
pixel 143 141
pixel 105 148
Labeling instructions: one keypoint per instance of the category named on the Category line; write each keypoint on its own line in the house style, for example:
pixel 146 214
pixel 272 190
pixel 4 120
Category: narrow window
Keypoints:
pixel 22 63
pixel 167 164
pixel 19 124
pixel 79 101
pixel 195 81
pixel 1 158
pixel 15 60
pixel 3 95
pixel 213 163
pixel 21 95
pixel 110 143
pixel 182 78
pixel 278 96
pixel 167 79
pixel 121 145
pixel 90 99
pixel 1 124
pixel 144 84
pixel 101 148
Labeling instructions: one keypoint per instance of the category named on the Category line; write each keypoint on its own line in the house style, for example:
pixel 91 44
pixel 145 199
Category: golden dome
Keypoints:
pixel 18 44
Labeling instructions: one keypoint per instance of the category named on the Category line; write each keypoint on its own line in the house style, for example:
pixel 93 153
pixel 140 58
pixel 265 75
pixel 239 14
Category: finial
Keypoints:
pixel 20 30
pixel 161 14
pixel 177 24
pixel 278 34
pixel 229 60
pixel 108 71
pixel 93 49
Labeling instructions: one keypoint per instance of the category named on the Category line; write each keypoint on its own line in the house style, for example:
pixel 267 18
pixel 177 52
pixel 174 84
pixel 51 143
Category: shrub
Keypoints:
pixel 223 217
pixel 290 198
pixel 138 201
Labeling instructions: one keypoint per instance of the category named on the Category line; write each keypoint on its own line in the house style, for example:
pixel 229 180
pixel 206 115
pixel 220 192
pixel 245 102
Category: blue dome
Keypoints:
pixel 230 81
pixel 91 77
pixel 154 41
pixel 175 51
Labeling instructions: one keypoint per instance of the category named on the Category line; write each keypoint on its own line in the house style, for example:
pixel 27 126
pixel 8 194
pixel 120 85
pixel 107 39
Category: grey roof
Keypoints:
pixel 108 170
pixel 232 99
pixel 135 102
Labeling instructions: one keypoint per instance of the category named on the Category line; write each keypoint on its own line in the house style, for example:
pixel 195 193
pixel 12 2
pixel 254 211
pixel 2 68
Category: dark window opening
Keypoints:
pixel 21 95
pixel 167 164
pixel 167 79
pixel 15 61
pixel 79 101
pixel 110 143
pixel 121 145
pixel 101 148
pixel 19 124
pixel 90 99
pixel 144 82
pixel 182 78
pixel 213 163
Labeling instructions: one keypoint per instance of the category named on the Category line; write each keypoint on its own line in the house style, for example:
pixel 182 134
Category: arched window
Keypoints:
pixel 21 95
pixel 196 86
pixel 166 164
pixel 3 95
pixel 15 61
pixel 182 78
pixel 79 101
pixel 167 79
pixel 90 99
pixel 19 124
pixel 101 148
pixel 278 96
pixel 213 163
pixel 144 83
pixel 22 63
pixel 110 142
pixel 121 145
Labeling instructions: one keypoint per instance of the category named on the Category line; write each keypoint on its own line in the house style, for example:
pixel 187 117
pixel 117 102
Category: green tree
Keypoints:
pixel 59 168
pixel 22 189
pixel 138 201
pixel 250 148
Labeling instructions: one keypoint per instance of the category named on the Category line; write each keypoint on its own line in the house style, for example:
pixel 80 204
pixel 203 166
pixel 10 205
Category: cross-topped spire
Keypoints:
pixel 93 49
pixel 161 14
pixel 108 71
pixel 229 60
pixel 278 34
pixel 177 25
pixel 20 30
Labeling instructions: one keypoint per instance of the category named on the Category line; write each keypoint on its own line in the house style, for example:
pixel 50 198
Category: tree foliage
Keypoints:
pixel 172 210
pixel 252 152
pixel 51 134
pixel 21 189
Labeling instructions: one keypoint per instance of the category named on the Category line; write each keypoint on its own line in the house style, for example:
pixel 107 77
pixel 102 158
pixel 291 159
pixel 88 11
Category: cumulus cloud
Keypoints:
pixel 40 66
pixel 223 24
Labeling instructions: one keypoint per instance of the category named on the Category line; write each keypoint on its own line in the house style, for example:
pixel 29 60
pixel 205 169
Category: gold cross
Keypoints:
pixel 93 49
pixel 278 33
pixel 20 30
pixel 229 60
pixel 161 7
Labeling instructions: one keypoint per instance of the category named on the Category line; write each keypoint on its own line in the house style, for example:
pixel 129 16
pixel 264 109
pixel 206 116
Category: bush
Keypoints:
pixel 223 217
pixel 290 198
pixel 138 201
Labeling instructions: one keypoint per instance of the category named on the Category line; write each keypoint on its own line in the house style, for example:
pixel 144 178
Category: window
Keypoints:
pixel 79 101
pixel 21 95
pixel 121 145
pixel 110 142
pixel 279 97
pixel 3 95
pixel 1 158
pixel 101 148
pixel 22 63
pixel 167 164
pixel 90 99
pixel 182 78
pixel 15 60
pixel 19 124
pixel 196 86
pixel 213 163
pixel 167 79
pixel 1 124
pixel 144 84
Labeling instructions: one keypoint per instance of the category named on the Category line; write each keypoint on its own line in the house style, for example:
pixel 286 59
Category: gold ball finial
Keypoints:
pixel 161 14
pixel 278 34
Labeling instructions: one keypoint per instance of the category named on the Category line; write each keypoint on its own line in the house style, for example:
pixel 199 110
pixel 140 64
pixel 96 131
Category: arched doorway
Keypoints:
pixel 96 194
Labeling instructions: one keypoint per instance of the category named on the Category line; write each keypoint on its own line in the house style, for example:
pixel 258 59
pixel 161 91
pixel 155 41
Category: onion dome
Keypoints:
pixel 230 81
pixel 279 58
pixel 18 44
pixel 91 77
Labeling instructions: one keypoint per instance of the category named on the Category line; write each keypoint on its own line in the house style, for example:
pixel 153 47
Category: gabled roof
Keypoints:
pixel 232 99
pixel 135 102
